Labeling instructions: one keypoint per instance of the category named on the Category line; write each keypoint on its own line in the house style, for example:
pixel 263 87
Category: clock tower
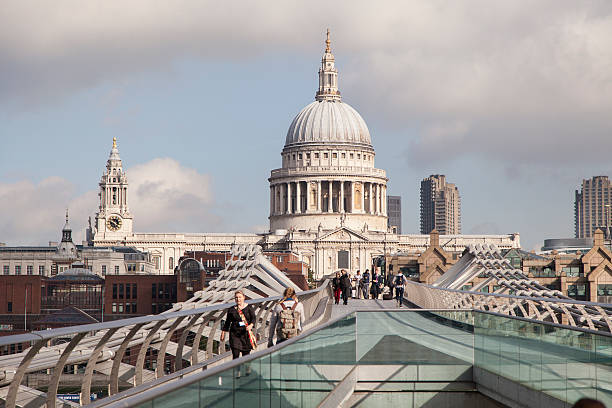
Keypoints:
pixel 113 220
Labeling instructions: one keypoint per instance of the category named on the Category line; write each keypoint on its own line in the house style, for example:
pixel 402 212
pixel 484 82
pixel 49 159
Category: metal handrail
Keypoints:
pixel 95 343
pixel 576 312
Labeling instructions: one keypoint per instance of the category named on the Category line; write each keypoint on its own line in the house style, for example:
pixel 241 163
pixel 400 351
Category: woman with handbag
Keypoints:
pixel 239 323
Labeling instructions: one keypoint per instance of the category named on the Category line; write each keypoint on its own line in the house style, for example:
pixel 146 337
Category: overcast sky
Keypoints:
pixel 511 100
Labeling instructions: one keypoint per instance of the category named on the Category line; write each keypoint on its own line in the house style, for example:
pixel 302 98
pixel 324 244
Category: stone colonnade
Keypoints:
pixel 328 196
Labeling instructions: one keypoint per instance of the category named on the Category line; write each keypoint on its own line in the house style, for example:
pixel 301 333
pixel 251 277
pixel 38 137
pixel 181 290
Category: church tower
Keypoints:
pixel 113 220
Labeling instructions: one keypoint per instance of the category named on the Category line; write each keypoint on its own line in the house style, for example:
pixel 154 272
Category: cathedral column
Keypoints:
pixel 374 198
pixel 384 199
pixel 341 203
pixel 377 203
pixel 271 200
pixel 363 198
pixel 329 198
pixel 307 196
pixel 298 201
pixel 319 207
pixel 288 210
pixel 371 201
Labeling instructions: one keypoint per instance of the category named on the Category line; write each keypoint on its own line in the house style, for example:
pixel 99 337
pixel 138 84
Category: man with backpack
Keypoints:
pixel 400 283
pixel 287 318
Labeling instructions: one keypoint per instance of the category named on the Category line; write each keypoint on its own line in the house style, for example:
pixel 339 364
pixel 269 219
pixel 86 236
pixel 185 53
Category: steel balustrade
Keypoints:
pixel 575 313
pixel 102 346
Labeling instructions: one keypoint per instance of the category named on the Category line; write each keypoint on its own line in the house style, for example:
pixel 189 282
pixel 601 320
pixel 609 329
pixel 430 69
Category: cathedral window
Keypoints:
pixel 358 156
pixel 294 157
pixel 300 156
pixel 351 156
pixel 30 269
pixel 6 269
pixel 316 155
pixel 325 155
pixel 344 155
pixel 171 263
pixel 308 155
pixel 335 155
pixel 17 269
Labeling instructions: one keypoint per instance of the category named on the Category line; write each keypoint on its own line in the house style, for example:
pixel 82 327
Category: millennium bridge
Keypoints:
pixel 523 346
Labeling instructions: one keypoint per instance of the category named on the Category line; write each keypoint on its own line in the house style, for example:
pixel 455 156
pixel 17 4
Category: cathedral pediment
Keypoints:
pixel 342 234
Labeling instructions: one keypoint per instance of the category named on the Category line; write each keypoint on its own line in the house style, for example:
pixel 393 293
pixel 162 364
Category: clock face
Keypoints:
pixel 113 223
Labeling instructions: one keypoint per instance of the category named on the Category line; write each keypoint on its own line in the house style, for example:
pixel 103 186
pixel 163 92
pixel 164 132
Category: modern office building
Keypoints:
pixel 440 206
pixel 394 214
pixel 592 207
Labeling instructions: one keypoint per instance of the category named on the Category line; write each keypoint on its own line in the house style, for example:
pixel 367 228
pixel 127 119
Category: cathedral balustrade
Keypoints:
pixel 189 337
pixel 335 170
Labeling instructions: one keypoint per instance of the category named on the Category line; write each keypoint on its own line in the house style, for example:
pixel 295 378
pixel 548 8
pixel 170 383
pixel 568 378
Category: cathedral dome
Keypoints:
pixel 328 121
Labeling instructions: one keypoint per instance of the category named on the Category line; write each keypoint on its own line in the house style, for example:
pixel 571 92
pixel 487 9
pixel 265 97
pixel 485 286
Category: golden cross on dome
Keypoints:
pixel 327 43
pixel 114 142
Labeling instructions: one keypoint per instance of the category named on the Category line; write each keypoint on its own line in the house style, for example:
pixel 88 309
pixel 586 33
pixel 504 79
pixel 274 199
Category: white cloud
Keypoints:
pixel 33 213
pixel 520 76
pixel 163 196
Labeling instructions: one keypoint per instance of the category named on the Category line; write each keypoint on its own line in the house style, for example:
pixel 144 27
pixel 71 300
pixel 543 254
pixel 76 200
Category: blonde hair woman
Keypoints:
pixel 287 318
pixel 239 323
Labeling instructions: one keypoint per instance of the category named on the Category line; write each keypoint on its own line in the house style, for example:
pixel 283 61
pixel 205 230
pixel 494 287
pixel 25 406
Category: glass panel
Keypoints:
pixel 441 349
pixel 443 346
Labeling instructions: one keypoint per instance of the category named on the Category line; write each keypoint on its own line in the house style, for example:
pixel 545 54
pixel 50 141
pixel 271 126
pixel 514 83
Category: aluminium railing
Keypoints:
pixel 102 346
pixel 575 313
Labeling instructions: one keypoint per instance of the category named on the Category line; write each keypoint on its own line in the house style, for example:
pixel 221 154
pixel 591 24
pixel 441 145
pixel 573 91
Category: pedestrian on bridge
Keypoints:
pixel 239 323
pixel 336 287
pixel 357 279
pixel 287 318
pixel 375 288
pixel 400 283
pixel 345 285
pixel 365 284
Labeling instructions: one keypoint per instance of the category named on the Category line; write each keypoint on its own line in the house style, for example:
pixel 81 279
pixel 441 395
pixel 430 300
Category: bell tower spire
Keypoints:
pixel 113 218
pixel 328 76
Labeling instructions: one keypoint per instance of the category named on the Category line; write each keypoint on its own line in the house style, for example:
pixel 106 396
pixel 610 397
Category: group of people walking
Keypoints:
pixel 364 286
pixel 286 322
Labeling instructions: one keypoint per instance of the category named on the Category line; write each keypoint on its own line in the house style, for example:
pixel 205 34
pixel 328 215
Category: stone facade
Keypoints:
pixel 58 257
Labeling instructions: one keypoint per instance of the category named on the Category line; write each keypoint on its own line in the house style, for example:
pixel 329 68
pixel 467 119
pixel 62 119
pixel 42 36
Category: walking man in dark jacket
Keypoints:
pixel 365 284
pixel 345 285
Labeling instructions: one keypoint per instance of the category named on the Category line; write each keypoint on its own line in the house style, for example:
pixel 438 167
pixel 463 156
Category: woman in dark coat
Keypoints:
pixel 336 287
pixel 239 340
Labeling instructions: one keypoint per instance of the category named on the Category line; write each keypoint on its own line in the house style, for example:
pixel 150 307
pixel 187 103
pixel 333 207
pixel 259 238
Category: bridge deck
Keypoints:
pixel 361 304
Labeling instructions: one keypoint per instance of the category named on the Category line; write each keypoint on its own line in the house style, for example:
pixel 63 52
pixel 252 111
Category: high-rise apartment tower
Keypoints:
pixel 592 207
pixel 394 212
pixel 440 206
